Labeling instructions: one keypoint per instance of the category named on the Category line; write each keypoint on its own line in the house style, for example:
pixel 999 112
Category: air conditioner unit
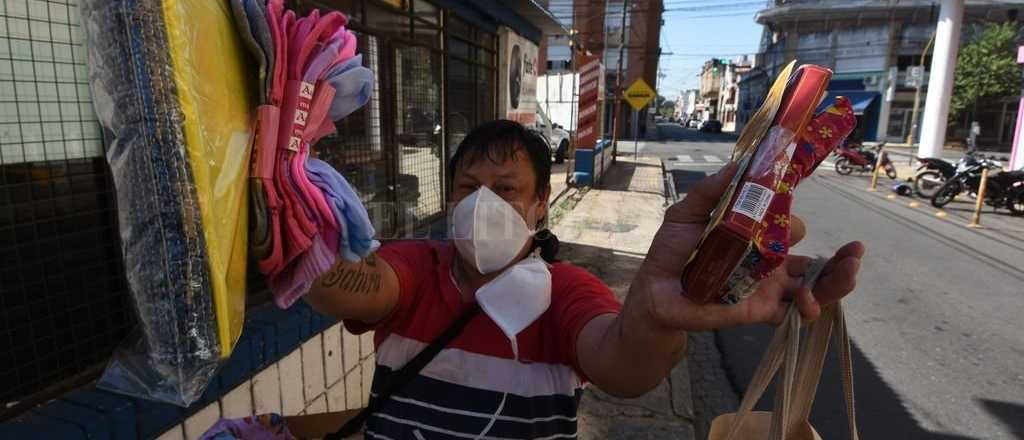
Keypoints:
pixel 871 81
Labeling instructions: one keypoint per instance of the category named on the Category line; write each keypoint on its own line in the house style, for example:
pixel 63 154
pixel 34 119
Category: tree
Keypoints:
pixel 667 108
pixel 986 67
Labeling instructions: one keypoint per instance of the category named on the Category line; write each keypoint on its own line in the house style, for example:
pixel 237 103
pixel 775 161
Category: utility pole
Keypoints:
pixel 618 82
pixel 917 93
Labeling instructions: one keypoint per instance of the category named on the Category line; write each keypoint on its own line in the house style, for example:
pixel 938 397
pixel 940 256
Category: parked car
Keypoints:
pixel 554 134
pixel 693 123
pixel 711 126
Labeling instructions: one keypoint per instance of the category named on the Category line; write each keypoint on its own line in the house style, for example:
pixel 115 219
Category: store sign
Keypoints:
pixel 517 77
pixel 591 79
pixel 915 76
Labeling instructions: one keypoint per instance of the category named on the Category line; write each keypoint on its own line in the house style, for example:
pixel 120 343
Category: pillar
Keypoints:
pixel 1017 157
pixel 888 89
pixel 940 79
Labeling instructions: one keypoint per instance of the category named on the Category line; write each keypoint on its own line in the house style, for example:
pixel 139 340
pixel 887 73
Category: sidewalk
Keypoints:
pixel 608 233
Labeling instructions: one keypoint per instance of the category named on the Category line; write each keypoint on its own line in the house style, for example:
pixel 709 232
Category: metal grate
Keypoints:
pixel 470 75
pixel 358 149
pixel 418 81
pixel 63 300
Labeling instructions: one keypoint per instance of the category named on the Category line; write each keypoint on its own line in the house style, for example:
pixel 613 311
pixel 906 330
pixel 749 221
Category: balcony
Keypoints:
pixel 903 80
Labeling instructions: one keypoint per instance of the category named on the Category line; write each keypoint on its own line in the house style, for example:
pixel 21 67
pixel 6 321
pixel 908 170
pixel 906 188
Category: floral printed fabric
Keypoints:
pixel 822 135
pixel 261 427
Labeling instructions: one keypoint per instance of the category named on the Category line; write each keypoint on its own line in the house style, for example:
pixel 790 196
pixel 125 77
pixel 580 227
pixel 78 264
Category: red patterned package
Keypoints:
pixel 748 237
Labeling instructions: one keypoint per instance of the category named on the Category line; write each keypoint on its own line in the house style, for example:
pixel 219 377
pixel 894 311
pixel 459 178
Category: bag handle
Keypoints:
pixel 782 414
pixel 846 368
pixel 404 375
pixel 766 369
pixel 797 390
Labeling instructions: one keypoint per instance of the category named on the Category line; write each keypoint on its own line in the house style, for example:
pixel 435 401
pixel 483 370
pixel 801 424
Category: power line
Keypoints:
pixel 703 8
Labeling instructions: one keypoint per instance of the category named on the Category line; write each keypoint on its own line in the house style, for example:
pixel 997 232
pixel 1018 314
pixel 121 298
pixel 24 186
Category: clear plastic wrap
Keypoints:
pixel 173 87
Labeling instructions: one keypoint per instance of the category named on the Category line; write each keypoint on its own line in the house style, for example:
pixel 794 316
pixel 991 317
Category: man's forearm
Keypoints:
pixel 365 291
pixel 636 354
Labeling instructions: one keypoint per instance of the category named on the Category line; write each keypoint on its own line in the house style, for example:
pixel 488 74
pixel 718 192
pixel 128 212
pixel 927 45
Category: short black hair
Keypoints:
pixel 498 141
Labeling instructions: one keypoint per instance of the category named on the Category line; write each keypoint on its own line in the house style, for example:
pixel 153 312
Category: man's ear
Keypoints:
pixel 542 209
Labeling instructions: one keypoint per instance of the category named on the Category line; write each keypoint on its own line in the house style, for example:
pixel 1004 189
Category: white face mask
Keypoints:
pixel 517 297
pixel 488 231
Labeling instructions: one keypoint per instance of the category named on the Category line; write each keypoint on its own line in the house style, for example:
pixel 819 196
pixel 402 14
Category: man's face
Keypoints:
pixel 513 180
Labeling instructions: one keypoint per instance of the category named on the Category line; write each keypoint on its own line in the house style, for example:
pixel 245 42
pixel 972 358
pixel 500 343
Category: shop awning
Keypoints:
pixel 860 99
pixel 538 16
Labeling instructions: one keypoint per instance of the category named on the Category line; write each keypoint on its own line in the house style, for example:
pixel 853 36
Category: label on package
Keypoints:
pixel 753 201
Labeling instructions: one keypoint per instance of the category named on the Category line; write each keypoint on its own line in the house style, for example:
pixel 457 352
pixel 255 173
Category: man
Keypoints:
pixel 517 370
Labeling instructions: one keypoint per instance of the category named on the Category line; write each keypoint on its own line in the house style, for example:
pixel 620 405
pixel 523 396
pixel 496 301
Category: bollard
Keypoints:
pixel 878 164
pixel 976 222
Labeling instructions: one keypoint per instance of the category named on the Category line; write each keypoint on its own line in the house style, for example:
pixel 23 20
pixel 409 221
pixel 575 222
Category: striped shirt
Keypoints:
pixel 457 394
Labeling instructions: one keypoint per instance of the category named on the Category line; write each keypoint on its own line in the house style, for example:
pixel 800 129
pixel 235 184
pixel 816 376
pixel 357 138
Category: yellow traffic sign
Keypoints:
pixel 638 94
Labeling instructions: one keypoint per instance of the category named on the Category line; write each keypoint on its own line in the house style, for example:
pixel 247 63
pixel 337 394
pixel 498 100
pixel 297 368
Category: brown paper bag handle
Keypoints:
pixel 766 369
pixel 803 368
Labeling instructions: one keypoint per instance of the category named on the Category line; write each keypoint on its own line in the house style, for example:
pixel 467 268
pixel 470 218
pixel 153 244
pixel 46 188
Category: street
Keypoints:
pixel 938 345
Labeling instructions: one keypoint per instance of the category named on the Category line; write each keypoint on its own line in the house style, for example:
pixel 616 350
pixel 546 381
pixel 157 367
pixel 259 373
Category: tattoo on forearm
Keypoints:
pixel 354 279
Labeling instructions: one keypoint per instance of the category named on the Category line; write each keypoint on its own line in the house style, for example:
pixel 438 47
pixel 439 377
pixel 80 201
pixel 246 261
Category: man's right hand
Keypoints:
pixel 366 291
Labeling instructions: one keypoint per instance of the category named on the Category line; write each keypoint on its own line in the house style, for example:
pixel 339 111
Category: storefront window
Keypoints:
pixel 418 131
pixel 63 298
pixel 384 21
pixel 470 78
pixel 427 35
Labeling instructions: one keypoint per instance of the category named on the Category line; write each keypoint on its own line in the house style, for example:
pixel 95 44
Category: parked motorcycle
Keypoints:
pixel 932 173
pixel 854 157
pixel 1004 188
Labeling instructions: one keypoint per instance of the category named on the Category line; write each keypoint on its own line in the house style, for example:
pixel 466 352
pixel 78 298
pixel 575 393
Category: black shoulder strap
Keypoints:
pixel 401 378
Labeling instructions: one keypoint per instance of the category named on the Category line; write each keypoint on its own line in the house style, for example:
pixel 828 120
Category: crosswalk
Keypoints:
pixel 706 158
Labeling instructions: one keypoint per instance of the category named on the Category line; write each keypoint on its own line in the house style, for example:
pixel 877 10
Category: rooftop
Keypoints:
pixel 806 10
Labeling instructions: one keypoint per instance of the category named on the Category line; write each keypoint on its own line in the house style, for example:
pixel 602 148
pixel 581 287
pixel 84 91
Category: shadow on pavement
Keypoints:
pixel 1011 414
pixel 880 411
pixel 614 268
pixel 684 179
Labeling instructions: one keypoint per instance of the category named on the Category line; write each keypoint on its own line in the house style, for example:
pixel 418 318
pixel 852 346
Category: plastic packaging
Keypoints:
pixel 172 87
pixel 748 237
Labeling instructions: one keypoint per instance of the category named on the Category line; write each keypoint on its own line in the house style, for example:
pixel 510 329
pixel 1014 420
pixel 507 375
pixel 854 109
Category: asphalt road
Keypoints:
pixel 936 317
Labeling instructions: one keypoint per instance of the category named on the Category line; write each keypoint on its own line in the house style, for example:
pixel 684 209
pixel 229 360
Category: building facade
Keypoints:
pixel 871 45
pixel 719 92
pixel 711 75
pixel 728 95
pixel 597 28
pixel 686 105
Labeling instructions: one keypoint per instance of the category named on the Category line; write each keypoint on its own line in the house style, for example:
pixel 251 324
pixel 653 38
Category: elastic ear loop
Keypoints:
pixel 504 395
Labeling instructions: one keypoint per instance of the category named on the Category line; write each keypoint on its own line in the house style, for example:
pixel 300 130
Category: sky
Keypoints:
pixel 695 31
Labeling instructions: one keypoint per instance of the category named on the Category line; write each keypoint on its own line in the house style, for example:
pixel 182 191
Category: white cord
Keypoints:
pixel 504 396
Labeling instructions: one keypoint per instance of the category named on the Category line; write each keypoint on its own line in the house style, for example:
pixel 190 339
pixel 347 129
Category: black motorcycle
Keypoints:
pixel 931 174
pixel 1004 189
